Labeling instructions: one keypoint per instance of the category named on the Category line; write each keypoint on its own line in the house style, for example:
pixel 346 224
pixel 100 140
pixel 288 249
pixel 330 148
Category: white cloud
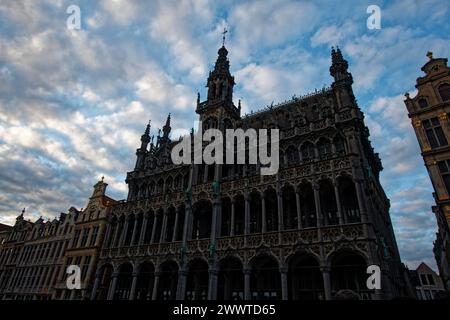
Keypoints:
pixel 333 35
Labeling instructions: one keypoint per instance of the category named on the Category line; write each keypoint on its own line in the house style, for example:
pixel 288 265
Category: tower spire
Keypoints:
pixel 223 36
pixel 167 128
pixel 142 151
pixel 343 79
pixel 339 66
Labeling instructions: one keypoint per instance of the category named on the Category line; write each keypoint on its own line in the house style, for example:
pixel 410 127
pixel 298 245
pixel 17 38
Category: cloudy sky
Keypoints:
pixel 73 103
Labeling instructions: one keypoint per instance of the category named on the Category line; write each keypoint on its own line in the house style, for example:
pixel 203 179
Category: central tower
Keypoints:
pixel 219 105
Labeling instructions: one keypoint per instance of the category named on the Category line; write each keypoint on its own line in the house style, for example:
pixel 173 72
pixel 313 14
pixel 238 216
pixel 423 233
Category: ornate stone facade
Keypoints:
pixel 429 111
pixel 227 232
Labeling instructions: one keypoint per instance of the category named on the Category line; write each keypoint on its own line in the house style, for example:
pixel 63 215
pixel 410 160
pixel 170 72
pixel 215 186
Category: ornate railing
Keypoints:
pixel 268 239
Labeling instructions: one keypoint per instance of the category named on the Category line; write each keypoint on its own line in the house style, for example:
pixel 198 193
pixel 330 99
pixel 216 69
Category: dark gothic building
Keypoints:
pixel 227 232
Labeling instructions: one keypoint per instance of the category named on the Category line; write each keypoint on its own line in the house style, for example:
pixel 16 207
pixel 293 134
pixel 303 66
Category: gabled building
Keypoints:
pixel 31 256
pixel 429 112
pixel 83 248
pixel 427 283
pixel 35 255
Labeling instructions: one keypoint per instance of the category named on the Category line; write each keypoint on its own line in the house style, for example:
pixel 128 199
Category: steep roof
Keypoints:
pixel 5 227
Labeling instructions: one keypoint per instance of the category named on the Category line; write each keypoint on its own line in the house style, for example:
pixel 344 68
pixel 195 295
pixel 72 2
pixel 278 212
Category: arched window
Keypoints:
pixel 160 188
pixel 178 182
pixel 339 144
pixel 292 154
pixel 423 103
pixel 168 184
pixel 324 148
pixel 444 91
pixel 307 150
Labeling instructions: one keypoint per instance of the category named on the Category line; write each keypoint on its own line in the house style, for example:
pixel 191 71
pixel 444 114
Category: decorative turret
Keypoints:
pixel 220 86
pixel 220 81
pixel 339 67
pixel 142 151
pixel 167 128
pixel 99 188
pixel 20 217
pixel 343 80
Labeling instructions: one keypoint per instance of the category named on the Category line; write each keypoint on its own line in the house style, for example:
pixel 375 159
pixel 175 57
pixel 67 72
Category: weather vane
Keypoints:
pixel 223 37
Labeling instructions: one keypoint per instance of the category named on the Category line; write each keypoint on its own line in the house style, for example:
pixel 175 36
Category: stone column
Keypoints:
pixel 175 228
pixel 54 275
pixel 116 234
pixel 247 214
pixel 247 293
pixel 155 286
pixel 263 213
pixel 48 277
pixel 43 273
pixel 338 202
pixel 299 211
pixel 214 218
pixel 421 135
pixel 107 234
pixel 155 222
pixel 96 285
pixel 100 232
pixel 326 282
pixel 143 229
pixel 90 233
pixel 181 286
pixel 233 202
pixel 133 235
pixel 124 232
pixel 284 283
pixel 164 227
pixel 360 196
pixel 317 202
pixel 212 285
pixel 133 286
pixel 187 233
pixel 280 209
pixel 112 287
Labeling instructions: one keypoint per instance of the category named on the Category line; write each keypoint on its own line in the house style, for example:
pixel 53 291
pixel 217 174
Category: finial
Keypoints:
pixel 407 95
pixel 239 104
pixel 223 36
pixel 430 55
pixel 103 178
pixel 23 211
pixel 198 97
pixel 147 129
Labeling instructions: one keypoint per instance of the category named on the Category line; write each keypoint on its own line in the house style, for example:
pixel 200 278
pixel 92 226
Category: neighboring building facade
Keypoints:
pixel 227 232
pixel 4 232
pixel 34 257
pixel 84 246
pixel 429 112
pixel 426 282
pixel 31 257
